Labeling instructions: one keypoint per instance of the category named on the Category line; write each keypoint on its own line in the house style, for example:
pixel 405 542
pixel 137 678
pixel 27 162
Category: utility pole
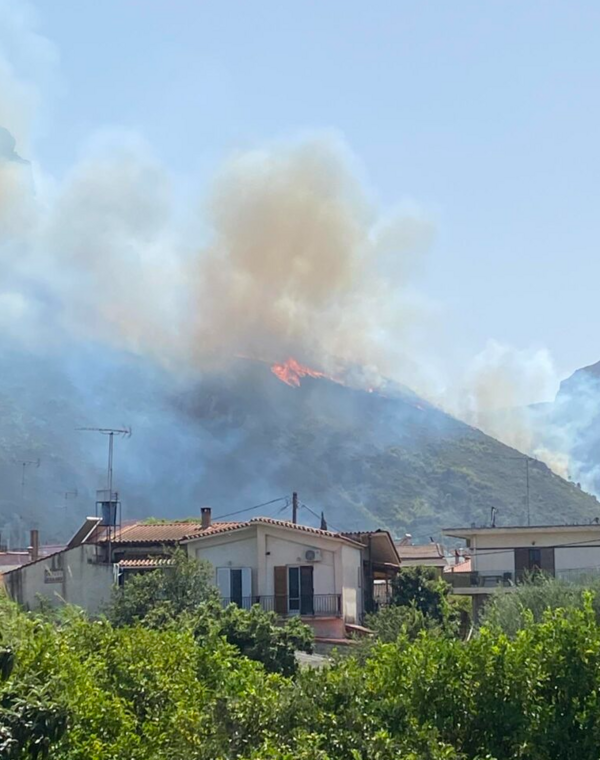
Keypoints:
pixel 294 507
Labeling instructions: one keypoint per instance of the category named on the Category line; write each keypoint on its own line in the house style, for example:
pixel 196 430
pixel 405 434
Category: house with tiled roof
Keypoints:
pixel 322 576
pixel 421 555
pixel 291 569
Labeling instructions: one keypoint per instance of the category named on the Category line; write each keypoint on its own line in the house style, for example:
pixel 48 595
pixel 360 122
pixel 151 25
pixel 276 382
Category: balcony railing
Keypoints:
pixel 478 580
pixel 315 605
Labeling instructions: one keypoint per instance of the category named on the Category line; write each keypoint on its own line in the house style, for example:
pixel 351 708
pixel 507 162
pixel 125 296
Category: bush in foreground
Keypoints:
pixel 164 693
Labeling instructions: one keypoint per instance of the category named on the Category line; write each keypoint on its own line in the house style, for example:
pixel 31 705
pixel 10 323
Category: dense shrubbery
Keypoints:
pixel 508 612
pixel 184 679
pixel 87 690
pixel 154 598
pixel 420 601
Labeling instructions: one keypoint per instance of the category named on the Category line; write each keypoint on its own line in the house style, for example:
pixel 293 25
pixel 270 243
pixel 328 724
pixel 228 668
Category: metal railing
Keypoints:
pixel 475 579
pixel 315 605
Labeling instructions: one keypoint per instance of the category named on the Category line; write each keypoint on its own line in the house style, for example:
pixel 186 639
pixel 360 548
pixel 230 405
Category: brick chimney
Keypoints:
pixel 34 548
pixel 206 517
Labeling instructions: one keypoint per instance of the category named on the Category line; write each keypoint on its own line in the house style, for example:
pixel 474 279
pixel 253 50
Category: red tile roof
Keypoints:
pixel 161 533
pixel 222 528
pixel 462 567
pixel 174 532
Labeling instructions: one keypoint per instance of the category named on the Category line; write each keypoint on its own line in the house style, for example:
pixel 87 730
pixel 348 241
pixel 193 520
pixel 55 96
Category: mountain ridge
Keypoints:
pixel 239 436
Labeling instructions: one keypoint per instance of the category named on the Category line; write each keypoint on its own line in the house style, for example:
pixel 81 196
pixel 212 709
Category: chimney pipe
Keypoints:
pixel 34 549
pixel 206 517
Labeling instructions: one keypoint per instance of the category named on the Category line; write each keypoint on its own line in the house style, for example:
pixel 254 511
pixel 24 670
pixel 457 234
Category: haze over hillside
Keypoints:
pixel 240 436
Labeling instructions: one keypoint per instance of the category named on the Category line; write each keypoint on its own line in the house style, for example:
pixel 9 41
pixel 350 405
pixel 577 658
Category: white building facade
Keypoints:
pixel 501 557
pixel 287 568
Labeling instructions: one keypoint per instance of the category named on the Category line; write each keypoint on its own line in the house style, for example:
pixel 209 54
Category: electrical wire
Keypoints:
pixel 250 509
pixel 319 517
pixel 594 544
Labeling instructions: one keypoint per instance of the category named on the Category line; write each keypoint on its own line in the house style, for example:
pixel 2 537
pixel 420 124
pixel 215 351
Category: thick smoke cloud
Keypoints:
pixel 287 255
pixel 294 264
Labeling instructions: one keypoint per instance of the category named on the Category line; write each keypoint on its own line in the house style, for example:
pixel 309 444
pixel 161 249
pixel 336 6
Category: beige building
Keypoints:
pixel 501 557
pixel 75 574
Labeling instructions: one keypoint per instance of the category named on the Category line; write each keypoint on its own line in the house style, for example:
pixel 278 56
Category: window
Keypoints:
pixel 55 573
pixel 534 559
pixel 235 581
pixel 235 585
pixel 301 590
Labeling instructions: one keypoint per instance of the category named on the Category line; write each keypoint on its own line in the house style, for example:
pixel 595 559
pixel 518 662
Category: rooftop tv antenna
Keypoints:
pixel 110 432
pixel 107 501
pixel 25 463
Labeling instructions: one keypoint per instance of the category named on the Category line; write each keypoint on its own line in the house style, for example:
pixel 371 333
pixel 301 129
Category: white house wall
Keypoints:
pixel 288 551
pixel 352 583
pixel 84 582
pixel 580 558
pixel 230 551
pixel 264 547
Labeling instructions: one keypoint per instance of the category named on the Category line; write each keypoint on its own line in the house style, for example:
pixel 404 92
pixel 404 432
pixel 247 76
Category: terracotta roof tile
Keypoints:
pixel 175 532
pixel 305 529
pixel 148 562
pixel 462 567
pixel 223 528
pixel 161 533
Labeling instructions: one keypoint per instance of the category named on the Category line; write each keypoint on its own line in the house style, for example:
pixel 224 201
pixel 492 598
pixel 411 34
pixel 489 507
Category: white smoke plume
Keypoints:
pixel 294 264
pixel 498 394
pixel 294 259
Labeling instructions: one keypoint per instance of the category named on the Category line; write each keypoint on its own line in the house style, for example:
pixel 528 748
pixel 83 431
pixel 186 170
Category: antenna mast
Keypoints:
pixel 24 465
pixel 107 501
pixel 110 432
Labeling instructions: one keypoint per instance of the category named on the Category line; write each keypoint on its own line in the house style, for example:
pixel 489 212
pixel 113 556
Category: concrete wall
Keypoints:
pixel 577 558
pixel 70 577
pixel 283 548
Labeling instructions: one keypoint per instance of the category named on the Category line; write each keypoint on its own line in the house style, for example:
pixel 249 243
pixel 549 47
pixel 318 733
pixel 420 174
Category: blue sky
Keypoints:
pixel 486 114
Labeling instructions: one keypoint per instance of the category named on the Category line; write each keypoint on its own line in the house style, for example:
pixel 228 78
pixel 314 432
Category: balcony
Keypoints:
pixel 316 605
pixel 475 580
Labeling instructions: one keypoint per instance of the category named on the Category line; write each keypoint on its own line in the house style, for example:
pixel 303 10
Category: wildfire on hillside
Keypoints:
pixel 291 371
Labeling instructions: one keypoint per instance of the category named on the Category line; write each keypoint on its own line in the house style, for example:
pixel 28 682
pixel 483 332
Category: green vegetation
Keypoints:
pixel 509 612
pixel 88 690
pixel 421 601
pixel 154 598
pixel 187 680
pixel 182 594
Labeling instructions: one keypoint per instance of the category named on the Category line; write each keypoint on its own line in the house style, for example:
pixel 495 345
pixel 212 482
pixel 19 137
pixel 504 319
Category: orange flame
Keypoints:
pixel 291 371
